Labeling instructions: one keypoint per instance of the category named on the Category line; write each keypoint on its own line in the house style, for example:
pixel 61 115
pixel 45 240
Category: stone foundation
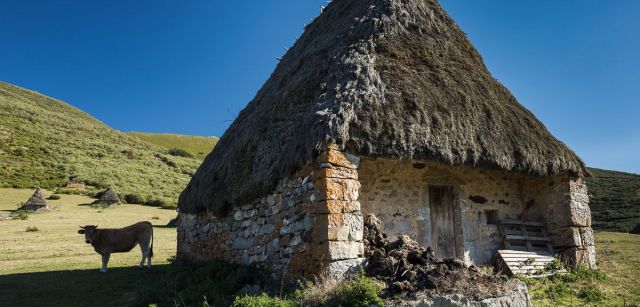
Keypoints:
pixel 313 220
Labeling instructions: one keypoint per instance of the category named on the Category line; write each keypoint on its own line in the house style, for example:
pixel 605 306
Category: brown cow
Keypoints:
pixel 107 241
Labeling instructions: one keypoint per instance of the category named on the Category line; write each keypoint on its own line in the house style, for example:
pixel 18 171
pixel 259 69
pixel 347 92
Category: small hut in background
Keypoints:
pixel 109 197
pixel 76 185
pixel 36 202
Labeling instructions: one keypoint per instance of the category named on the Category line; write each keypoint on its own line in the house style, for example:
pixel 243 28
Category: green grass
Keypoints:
pixel 613 284
pixel 45 142
pixel 198 146
pixel 190 284
pixel 614 200
pixel 55 267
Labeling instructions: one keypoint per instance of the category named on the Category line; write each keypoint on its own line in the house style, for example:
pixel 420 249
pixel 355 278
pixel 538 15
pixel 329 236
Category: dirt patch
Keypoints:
pixel 408 269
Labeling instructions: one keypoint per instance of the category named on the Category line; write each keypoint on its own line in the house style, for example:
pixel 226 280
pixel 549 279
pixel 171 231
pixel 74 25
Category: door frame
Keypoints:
pixel 457 219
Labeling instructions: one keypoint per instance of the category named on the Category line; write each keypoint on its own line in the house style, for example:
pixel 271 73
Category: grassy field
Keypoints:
pixel 618 259
pixel 55 267
pixel 198 146
pixel 46 142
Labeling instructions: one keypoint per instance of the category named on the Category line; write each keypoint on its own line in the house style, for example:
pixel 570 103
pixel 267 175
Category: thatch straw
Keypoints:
pixel 109 197
pixel 381 78
pixel 36 201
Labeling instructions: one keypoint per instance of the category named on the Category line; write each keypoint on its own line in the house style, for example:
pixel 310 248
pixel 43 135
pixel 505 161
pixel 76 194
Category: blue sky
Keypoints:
pixel 190 66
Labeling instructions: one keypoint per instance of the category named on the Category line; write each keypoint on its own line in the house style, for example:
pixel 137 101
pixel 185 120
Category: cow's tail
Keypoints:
pixel 151 246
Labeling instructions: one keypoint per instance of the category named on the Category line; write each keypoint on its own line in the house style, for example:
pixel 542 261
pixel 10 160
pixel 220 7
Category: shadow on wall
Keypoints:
pixel 117 287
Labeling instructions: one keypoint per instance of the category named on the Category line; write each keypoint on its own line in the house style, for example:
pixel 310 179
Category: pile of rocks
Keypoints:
pixel 407 268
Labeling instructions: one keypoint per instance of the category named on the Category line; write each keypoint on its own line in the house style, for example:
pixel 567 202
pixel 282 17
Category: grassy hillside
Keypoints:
pixel 46 142
pixel 198 146
pixel 615 200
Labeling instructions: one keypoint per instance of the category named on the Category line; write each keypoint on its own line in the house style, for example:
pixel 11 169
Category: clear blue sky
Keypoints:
pixel 190 66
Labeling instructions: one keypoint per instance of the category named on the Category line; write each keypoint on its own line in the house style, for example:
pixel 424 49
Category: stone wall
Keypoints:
pixel 276 229
pixel 311 222
pixel 568 219
pixel 397 192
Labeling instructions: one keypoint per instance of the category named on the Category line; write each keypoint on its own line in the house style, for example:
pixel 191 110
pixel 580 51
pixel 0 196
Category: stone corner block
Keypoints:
pixel 338 189
pixel 581 256
pixel 339 227
pixel 334 156
pixel 337 269
pixel 342 250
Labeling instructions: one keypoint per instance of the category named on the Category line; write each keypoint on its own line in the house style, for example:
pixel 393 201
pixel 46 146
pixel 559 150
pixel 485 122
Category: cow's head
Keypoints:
pixel 90 232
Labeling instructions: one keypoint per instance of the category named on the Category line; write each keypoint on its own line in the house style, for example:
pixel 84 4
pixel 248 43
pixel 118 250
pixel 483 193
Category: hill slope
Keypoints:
pixel 46 142
pixel 614 200
pixel 198 146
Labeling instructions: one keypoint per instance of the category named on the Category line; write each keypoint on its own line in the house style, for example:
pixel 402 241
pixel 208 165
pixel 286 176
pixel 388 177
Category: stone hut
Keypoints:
pixel 109 197
pixel 36 202
pixel 75 185
pixel 384 107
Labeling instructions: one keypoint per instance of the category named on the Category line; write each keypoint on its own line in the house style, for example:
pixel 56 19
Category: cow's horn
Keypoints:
pixel 81 226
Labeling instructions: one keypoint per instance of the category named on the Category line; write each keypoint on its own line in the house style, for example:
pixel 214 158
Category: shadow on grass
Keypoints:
pixel 117 287
pixel 15 210
pixel 97 206
pixel 163 226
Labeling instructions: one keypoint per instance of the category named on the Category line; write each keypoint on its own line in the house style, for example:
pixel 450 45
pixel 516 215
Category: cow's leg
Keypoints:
pixel 143 249
pixel 149 258
pixel 105 260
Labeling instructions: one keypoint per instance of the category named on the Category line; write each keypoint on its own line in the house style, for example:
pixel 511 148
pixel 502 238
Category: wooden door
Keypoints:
pixel 443 235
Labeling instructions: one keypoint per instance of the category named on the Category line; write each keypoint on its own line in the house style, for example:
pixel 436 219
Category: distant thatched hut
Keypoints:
pixel 36 202
pixel 385 107
pixel 76 185
pixel 109 197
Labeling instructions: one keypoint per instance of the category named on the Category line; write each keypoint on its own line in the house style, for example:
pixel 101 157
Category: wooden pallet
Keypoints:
pixel 525 236
pixel 528 249
pixel 527 263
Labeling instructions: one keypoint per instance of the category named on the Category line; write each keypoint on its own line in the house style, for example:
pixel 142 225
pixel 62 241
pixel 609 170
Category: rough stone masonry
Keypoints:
pixel 312 222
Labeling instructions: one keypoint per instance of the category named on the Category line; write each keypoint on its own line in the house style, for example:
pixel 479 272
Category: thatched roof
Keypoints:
pixel 109 197
pixel 35 201
pixel 380 78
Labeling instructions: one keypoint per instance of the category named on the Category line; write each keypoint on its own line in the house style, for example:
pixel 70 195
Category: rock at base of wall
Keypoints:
pixel 518 297
pixel 337 269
